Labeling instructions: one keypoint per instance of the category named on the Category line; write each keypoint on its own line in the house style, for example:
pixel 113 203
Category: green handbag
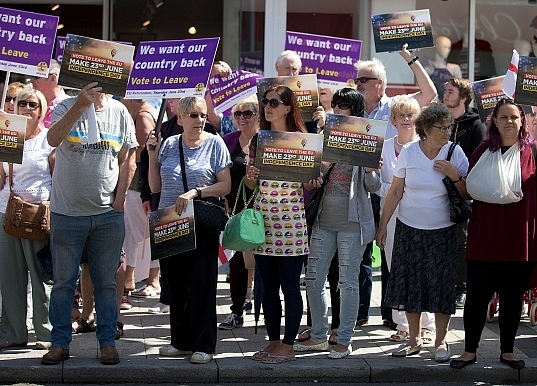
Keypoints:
pixel 245 230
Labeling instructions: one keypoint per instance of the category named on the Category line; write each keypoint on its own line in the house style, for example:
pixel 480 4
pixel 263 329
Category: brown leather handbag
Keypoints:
pixel 26 220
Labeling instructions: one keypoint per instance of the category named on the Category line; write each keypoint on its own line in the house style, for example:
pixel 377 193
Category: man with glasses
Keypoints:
pixel 371 82
pixel 468 131
pixel 89 186
pixel 53 93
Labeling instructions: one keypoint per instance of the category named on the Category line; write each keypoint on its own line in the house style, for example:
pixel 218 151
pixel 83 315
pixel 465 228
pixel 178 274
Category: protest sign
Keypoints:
pixel 331 59
pixel 172 68
pixel 27 41
pixel 288 156
pixel 303 86
pixel 392 30
pixel 60 46
pixel 87 60
pixel 171 233
pixel 227 91
pixel 487 93
pixel 12 135
pixel 353 140
pixel 251 62
pixel 526 81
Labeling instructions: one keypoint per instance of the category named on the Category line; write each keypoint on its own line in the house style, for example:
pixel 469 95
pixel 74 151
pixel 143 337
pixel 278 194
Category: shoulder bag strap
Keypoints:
pixel 450 151
pixel 182 159
pixel 326 177
pixel 10 177
pixel 242 192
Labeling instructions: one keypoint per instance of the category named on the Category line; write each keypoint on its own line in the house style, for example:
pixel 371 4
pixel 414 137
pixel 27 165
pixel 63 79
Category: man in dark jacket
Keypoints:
pixel 468 132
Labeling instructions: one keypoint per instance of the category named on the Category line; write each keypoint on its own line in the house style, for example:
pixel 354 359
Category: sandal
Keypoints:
pixel 119 330
pixel 332 340
pixel 400 336
pixel 427 336
pixel 146 291
pixel 304 335
pixel 84 326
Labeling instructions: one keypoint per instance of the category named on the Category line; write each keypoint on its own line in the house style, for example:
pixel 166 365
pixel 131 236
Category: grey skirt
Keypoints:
pixel 423 271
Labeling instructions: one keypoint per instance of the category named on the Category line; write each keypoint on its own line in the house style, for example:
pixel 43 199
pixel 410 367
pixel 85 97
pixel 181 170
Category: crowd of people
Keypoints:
pixel 430 265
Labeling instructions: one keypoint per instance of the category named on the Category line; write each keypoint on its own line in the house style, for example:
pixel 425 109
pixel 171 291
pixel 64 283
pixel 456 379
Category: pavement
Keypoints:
pixel 371 361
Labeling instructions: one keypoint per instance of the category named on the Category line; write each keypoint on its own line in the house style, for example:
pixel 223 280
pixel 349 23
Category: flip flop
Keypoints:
pixel 305 332
pixel 277 359
pixel 260 356
pixel 332 340
pixel 427 336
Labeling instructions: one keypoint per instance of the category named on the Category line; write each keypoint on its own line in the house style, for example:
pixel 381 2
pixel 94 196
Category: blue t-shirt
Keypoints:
pixel 202 165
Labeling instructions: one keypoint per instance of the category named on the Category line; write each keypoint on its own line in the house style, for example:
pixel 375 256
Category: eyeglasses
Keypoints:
pixel 10 99
pixel 341 105
pixel 28 105
pixel 246 114
pixel 363 79
pixel 444 129
pixel 196 115
pixel 272 102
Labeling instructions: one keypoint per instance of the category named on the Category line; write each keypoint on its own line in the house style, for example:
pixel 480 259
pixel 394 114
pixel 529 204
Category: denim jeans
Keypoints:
pixel 322 248
pixel 103 236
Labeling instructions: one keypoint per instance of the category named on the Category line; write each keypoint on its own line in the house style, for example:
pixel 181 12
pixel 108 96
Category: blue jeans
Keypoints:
pixel 103 236
pixel 323 245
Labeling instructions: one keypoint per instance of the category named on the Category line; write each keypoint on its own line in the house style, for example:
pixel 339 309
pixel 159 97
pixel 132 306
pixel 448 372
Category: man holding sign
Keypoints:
pixel 95 154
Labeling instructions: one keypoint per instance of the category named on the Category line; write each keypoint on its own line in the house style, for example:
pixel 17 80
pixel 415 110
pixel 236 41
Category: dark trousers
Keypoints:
pixel 238 283
pixel 462 234
pixel 365 281
pixel 385 312
pixel 510 280
pixel 192 278
pixel 284 272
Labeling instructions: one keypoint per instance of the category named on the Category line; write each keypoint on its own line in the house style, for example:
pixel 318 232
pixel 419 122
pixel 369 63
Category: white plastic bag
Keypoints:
pixel 496 177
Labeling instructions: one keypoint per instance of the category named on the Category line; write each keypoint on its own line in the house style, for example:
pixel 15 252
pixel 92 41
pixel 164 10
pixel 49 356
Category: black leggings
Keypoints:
pixel 510 280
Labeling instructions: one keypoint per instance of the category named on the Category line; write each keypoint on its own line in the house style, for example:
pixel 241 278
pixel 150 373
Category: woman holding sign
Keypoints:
pixel 280 112
pixel 32 181
pixel 344 224
pixel 207 163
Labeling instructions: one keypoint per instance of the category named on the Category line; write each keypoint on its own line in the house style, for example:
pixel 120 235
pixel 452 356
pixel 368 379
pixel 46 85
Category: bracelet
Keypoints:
pixel 198 192
pixel 413 60
pixel 460 178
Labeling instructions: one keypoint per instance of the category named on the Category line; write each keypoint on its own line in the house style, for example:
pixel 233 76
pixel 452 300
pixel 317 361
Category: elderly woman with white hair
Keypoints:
pixel 32 181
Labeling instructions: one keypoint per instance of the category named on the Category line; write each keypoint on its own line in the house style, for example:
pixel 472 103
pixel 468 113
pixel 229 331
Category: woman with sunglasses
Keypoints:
pixel 422 276
pixel 207 163
pixel 277 268
pixel 246 115
pixel 344 224
pixel 32 181
pixel 13 90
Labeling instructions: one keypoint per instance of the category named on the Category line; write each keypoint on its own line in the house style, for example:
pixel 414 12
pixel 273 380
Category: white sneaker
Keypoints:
pixel 201 357
pixel 170 351
pixel 159 309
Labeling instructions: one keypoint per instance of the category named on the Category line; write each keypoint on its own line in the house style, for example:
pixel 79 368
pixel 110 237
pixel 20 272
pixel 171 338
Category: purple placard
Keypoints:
pixel 331 59
pixel 27 41
pixel 226 92
pixel 60 46
pixel 172 68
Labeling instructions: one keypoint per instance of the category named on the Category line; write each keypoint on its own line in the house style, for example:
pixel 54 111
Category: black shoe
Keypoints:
pixel 516 364
pixel 361 322
pixel 119 330
pixel 460 300
pixel 460 364
pixel 390 324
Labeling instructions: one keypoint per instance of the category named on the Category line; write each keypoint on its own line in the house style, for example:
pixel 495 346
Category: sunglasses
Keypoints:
pixel 10 99
pixel 341 105
pixel 196 115
pixel 246 114
pixel 28 105
pixel 272 102
pixel 363 79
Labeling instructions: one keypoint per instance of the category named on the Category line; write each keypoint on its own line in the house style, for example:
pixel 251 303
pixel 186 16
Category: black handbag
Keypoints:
pixel 313 206
pixel 209 212
pixel 459 208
